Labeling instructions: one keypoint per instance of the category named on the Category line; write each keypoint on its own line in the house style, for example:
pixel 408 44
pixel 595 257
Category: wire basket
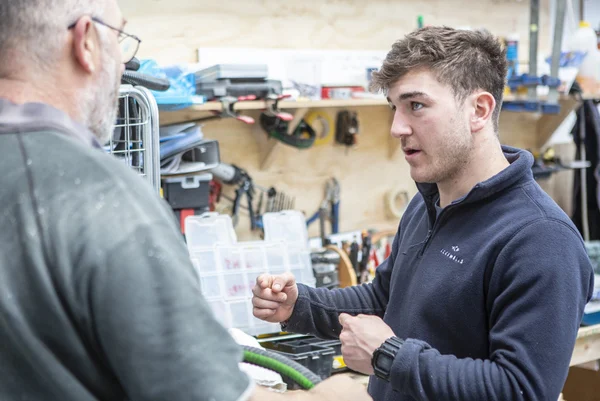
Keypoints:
pixel 135 139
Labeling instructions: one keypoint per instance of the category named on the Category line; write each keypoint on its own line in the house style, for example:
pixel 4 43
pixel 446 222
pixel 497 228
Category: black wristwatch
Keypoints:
pixel 384 356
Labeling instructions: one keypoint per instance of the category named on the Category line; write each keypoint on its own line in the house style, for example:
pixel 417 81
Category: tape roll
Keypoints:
pixel 323 124
pixel 396 202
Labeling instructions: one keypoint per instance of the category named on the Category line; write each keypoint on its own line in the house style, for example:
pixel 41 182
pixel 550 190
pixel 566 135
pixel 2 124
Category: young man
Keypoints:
pixel 485 288
pixel 98 298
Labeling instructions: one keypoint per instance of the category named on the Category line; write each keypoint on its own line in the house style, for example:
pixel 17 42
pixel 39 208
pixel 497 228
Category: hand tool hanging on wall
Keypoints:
pixel 329 209
pixel 276 200
pixel 363 270
pixel 232 175
pixel 353 255
pixel 346 128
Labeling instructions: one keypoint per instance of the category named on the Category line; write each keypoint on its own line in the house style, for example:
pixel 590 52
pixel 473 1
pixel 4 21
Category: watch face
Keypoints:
pixel 384 362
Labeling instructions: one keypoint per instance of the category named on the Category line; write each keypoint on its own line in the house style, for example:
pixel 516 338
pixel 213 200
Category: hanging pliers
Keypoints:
pixel 329 209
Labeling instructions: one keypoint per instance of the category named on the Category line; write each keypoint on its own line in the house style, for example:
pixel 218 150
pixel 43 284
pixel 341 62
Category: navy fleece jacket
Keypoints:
pixel 488 296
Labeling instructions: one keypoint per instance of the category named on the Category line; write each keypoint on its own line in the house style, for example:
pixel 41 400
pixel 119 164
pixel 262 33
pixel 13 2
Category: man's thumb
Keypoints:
pixel 283 280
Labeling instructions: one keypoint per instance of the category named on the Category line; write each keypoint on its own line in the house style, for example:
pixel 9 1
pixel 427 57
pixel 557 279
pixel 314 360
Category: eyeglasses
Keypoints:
pixel 129 43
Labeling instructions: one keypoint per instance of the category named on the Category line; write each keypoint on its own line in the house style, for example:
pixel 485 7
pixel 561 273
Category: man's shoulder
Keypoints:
pixel 533 205
pixel 529 218
pixel 57 159
pixel 69 175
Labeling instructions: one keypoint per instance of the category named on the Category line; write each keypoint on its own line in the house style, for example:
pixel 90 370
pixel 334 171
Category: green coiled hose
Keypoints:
pixel 282 365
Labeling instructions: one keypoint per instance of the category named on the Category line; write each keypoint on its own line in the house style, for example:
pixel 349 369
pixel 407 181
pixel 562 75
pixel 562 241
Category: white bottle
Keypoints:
pixel 585 40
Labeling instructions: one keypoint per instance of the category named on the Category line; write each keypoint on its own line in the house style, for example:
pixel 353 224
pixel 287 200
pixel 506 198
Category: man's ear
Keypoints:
pixel 483 107
pixel 84 44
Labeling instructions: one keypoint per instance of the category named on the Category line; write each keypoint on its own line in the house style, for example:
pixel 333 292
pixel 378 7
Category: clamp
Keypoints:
pixel 272 110
pixel 228 111
pixel 276 123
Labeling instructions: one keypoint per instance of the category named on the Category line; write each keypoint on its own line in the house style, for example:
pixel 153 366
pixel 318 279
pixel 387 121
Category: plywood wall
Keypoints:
pixel 172 30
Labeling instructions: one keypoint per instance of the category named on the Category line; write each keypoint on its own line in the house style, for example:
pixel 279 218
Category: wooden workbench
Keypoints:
pixel 587 346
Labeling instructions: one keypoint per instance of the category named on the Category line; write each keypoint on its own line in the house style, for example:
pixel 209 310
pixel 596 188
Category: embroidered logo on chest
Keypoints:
pixel 452 255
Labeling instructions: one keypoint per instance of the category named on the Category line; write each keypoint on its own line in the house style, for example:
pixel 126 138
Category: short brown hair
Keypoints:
pixel 466 60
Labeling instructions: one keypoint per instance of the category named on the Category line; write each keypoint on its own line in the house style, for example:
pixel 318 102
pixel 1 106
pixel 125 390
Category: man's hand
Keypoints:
pixel 274 297
pixel 360 337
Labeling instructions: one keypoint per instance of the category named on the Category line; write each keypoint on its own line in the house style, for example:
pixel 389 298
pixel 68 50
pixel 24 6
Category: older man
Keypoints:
pixel 98 299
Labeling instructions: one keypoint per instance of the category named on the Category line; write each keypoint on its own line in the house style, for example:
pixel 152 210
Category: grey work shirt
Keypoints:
pixel 98 297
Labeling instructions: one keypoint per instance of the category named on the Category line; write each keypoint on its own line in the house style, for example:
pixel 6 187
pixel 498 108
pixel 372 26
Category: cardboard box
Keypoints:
pixel 582 385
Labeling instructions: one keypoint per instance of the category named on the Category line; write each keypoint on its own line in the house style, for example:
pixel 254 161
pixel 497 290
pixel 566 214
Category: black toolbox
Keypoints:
pixel 322 357
pixel 337 364
pixel 317 358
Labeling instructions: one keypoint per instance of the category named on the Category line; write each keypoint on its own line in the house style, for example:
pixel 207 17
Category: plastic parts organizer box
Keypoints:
pixel 228 269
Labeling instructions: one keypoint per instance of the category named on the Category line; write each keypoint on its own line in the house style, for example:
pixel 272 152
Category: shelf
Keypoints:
pixel 563 97
pixel 329 103
pixel 190 112
pixel 326 103
pixel 290 104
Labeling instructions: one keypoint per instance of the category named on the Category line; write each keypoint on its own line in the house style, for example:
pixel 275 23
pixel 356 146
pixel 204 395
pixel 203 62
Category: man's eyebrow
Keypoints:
pixel 411 95
pixel 123 23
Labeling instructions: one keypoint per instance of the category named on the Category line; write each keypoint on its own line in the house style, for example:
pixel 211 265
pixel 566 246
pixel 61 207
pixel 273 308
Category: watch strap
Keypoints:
pixel 384 356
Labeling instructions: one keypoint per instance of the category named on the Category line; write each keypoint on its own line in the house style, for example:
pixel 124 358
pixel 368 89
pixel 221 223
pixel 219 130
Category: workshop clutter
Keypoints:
pixel 269 200
pixel 230 84
pixel 185 160
pixel 325 267
pixel 228 269
pixel 323 357
pixel 315 128
pixel 188 195
pixel 236 80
